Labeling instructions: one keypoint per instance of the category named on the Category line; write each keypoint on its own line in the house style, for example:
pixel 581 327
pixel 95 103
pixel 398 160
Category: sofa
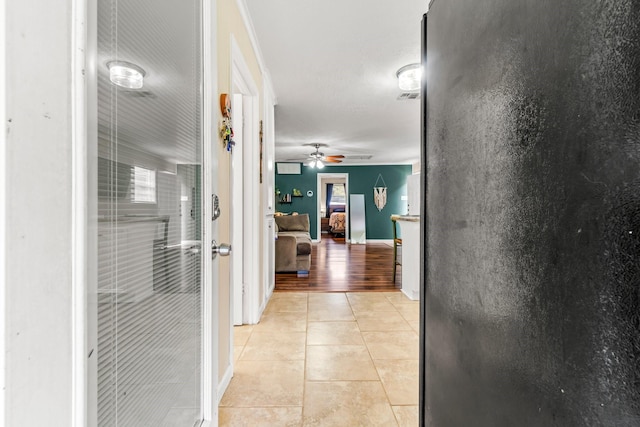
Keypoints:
pixel 293 243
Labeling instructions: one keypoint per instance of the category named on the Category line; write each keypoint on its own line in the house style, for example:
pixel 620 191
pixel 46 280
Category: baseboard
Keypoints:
pixel 387 241
pixel 412 295
pixel 224 382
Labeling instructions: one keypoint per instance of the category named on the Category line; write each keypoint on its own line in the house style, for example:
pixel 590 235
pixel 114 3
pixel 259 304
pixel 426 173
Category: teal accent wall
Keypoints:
pixel 362 179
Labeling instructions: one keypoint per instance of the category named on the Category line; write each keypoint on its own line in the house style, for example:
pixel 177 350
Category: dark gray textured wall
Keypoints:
pixel 532 293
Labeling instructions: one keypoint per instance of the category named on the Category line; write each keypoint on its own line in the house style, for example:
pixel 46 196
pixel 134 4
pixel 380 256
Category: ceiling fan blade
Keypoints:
pixel 329 159
pixel 338 156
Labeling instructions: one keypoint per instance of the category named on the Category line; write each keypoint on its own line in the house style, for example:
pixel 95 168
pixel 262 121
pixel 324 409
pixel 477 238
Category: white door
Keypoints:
pixel 237 211
pixel 151 169
pixel 245 195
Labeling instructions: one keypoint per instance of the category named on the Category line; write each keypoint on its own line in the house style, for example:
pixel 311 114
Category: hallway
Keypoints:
pixel 327 359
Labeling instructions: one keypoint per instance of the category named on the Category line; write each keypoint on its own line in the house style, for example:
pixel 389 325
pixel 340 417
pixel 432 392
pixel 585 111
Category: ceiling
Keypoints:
pixel 333 66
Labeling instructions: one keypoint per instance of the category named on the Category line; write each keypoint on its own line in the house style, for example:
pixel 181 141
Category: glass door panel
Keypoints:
pixel 149 213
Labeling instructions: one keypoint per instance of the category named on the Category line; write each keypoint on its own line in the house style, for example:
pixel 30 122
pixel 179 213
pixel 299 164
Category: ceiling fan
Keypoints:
pixel 317 159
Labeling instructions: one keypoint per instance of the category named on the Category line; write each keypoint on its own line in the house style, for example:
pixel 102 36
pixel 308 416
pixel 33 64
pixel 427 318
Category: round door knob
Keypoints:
pixel 224 249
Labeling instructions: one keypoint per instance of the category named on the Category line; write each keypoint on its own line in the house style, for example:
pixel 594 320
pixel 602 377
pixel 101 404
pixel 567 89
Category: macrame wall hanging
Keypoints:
pixel 380 193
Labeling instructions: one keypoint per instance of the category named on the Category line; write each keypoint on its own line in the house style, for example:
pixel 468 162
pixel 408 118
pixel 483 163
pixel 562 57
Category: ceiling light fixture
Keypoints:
pixel 316 164
pixel 316 158
pixel 409 77
pixel 126 74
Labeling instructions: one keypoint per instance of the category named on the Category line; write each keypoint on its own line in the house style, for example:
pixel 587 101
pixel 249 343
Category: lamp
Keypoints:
pixel 126 74
pixel 409 77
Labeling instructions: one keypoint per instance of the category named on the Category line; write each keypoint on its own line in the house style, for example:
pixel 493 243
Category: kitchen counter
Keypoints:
pixel 410 234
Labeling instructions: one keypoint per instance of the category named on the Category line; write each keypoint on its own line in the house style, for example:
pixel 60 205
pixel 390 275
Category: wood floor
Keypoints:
pixel 337 266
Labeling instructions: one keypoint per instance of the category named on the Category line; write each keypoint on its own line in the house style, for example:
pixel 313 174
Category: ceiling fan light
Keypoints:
pixel 312 164
pixel 409 77
pixel 319 164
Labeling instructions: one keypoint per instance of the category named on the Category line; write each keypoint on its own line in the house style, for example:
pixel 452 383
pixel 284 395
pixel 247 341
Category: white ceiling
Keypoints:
pixel 333 66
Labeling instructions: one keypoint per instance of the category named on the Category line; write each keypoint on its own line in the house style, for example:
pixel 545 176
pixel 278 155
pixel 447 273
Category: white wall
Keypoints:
pixel 39 213
pixel 413 194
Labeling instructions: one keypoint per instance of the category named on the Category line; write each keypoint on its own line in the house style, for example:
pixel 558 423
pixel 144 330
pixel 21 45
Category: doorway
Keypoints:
pixel 333 197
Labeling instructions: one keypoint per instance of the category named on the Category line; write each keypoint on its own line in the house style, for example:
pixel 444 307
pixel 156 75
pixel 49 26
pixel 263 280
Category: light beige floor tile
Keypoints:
pixel 339 362
pixel 274 345
pixel 400 380
pixel 270 392
pixel 396 298
pixel 407 416
pixel 381 321
pixel 260 417
pixel 347 403
pixel 373 301
pixel 328 298
pixel 392 345
pixel 409 311
pixel 241 334
pixel 368 295
pixel 265 383
pixel 331 312
pixel 334 333
pixel 288 295
pixel 283 322
pixel 237 351
pixel 287 305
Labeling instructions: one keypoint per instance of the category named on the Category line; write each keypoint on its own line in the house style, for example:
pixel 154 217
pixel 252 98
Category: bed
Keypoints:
pixel 337 222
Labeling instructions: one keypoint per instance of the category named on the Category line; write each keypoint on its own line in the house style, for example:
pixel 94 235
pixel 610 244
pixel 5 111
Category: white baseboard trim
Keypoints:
pixel 412 295
pixel 387 241
pixel 224 382
pixel 263 306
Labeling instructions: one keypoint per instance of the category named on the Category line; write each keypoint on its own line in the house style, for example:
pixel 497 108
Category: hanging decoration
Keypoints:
pixel 261 160
pixel 226 131
pixel 380 193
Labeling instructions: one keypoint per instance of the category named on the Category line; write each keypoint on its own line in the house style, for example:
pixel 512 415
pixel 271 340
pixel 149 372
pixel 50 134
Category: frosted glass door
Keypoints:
pixel 149 214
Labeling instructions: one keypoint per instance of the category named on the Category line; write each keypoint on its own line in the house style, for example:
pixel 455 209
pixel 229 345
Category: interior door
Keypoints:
pixel 149 198
pixel 238 212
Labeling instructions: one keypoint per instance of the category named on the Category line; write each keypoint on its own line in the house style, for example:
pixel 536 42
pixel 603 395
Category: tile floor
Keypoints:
pixel 327 359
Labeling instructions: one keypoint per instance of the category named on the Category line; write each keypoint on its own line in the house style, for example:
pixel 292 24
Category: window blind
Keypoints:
pixel 149 215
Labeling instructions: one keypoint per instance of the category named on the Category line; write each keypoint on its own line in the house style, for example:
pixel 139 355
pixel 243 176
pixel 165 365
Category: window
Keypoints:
pixel 144 185
pixel 338 197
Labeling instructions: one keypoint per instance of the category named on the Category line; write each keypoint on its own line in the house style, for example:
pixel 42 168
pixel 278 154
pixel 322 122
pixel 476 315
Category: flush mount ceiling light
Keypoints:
pixel 409 77
pixel 126 74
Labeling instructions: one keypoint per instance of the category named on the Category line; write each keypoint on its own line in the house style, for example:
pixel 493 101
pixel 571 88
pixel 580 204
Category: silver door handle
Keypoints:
pixel 224 249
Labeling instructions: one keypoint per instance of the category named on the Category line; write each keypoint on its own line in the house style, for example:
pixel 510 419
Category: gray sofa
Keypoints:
pixel 293 243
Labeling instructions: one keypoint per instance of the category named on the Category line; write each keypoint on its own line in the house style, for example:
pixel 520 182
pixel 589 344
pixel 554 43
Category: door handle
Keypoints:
pixel 224 249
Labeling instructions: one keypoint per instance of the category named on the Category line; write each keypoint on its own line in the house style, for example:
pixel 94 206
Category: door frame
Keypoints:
pixel 209 283
pixel 246 281
pixel 237 216
pixel 3 211
pixel 319 178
